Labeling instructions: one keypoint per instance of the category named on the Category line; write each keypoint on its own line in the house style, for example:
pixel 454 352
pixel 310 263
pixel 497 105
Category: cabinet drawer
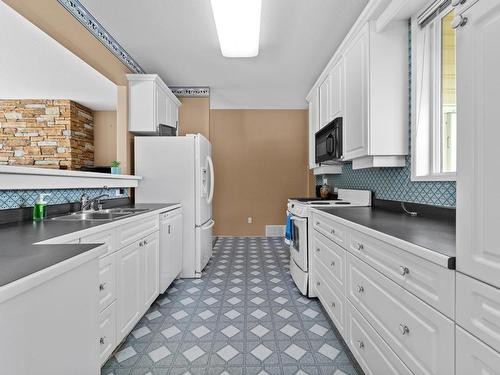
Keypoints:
pixel 428 281
pixel 329 228
pixel 372 353
pixel 478 309
pixel 421 336
pixel 107 281
pixel 475 357
pixel 136 230
pixel 107 238
pixel 332 257
pixel 107 332
pixel 331 298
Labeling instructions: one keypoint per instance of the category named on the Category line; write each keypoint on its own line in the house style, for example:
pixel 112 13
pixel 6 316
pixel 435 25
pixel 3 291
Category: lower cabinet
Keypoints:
pixel 475 357
pixel 373 354
pixel 150 254
pixel 107 332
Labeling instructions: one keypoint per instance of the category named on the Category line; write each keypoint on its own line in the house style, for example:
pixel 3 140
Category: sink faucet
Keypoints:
pixel 88 204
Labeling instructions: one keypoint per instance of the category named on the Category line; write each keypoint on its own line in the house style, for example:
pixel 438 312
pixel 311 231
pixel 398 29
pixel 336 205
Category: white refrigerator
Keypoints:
pixel 180 169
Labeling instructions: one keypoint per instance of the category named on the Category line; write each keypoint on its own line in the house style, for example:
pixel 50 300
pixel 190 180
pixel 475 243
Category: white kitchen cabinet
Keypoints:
pixel 107 281
pixel 151 103
pixel 375 116
pixel 474 357
pixel 478 159
pixel 150 270
pixel 129 288
pixel 324 102
pixel 107 332
pixel 171 229
pixel 313 127
pixel 336 90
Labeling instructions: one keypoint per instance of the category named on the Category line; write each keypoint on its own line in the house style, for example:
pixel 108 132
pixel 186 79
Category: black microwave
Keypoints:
pixel 329 142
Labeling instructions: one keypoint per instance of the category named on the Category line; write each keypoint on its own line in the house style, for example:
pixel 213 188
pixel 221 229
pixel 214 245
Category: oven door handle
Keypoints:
pixel 295 218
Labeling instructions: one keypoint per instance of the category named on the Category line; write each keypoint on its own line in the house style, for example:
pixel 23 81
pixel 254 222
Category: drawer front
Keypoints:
pixel 107 237
pixel 329 228
pixel 428 281
pixel 137 229
pixel 421 336
pixel 332 257
pixel 478 309
pixel 169 214
pixel 107 332
pixel 331 298
pixel 372 353
pixel 107 281
pixel 475 357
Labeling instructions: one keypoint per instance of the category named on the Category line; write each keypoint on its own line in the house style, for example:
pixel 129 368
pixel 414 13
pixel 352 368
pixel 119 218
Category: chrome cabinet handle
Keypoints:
pixel 102 340
pixel 360 246
pixel 404 270
pixel 404 329
pixel 360 289
pixel 102 286
pixel 332 264
pixel 361 344
pixel 459 21
pixel 318 250
pixel 456 3
pixel 141 243
pixel 317 223
pixel 145 242
pixel 318 283
pixel 332 231
pixel 333 305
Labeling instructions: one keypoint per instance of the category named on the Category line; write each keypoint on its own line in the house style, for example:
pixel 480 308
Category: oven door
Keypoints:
pixel 298 243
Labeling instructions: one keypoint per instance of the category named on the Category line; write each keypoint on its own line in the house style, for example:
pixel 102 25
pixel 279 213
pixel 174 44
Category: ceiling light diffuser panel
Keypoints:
pixel 238 26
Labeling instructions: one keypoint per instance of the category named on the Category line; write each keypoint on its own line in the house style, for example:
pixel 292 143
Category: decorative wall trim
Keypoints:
pixel 186 92
pixel 77 10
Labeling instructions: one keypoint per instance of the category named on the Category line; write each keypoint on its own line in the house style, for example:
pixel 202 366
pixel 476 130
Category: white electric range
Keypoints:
pixel 299 209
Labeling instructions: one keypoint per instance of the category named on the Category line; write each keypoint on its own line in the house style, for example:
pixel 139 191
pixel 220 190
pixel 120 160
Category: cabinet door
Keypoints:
pixel 336 90
pixel 474 357
pixel 313 128
pixel 356 74
pixel 129 283
pixel 324 102
pixel 478 162
pixel 176 232
pixel 149 270
pixel 161 107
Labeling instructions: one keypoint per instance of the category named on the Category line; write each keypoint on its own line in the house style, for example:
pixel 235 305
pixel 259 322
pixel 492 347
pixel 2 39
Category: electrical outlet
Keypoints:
pixel 249 220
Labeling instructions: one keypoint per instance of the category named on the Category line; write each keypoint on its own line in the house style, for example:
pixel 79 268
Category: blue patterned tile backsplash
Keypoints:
pixel 27 198
pixel 394 184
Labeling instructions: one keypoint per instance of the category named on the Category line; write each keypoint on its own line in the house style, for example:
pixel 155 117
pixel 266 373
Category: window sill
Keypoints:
pixel 435 177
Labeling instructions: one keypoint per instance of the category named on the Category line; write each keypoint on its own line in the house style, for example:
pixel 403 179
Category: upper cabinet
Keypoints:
pixel 366 83
pixel 151 103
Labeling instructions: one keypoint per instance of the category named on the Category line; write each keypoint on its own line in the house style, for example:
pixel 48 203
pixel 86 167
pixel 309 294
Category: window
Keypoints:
pixel 434 106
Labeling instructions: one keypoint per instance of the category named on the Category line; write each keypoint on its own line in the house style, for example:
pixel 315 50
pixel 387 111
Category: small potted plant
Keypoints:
pixel 115 167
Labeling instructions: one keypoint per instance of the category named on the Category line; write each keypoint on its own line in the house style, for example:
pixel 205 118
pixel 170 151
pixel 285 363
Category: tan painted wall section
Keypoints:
pixel 104 137
pixel 194 116
pixel 260 159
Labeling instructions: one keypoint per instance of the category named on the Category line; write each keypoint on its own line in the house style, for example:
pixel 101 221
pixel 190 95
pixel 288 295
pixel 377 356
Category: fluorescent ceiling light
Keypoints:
pixel 238 26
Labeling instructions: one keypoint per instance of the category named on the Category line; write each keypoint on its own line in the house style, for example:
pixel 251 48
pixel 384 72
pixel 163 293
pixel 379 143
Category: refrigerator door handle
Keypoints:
pixel 212 179
pixel 209 225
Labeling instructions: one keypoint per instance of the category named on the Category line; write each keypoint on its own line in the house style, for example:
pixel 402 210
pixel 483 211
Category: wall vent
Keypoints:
pixel 275 231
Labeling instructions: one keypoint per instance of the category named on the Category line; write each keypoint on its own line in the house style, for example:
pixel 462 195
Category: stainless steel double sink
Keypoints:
pixel 101 215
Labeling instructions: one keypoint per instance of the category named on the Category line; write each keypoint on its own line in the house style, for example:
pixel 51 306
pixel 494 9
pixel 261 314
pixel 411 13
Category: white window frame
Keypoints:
pixel 426 116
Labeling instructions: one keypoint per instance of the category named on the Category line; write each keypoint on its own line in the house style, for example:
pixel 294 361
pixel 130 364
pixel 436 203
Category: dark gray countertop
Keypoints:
pixel 20 258
pixel 435 234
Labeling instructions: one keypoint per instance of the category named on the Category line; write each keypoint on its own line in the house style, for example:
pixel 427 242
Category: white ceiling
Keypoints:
pixel 177 39
pixel 34 66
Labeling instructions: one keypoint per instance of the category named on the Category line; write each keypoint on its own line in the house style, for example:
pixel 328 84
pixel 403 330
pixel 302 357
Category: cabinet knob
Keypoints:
pixel 318 283
pixel 404 270
pixel 404 329
pixel 317 223
pixel 102 340
pixel 102 286
pixel 333 305
pixel 360 246
pixel 459 21
pixel 332 264
pixel 145 242
pixel 360 289
pixel 332 231
pixel 456 3
pixel 141 243
pixel 318 250
pixel 361 344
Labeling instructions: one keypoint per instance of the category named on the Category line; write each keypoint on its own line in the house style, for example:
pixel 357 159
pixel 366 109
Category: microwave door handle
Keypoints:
pixel 329 144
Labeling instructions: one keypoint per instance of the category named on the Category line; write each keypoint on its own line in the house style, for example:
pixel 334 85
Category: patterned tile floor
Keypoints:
pixel 244 316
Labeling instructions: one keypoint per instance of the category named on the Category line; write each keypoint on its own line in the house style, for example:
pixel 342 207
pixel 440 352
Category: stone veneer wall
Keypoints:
pixel 46 133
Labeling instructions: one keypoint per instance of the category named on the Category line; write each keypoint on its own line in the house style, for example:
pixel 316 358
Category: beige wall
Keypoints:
pixel 104 137
pixel 260 159
pixel 194 116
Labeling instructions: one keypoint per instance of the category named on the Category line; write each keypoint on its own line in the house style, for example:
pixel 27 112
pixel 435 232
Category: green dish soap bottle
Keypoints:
pixel 40 207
